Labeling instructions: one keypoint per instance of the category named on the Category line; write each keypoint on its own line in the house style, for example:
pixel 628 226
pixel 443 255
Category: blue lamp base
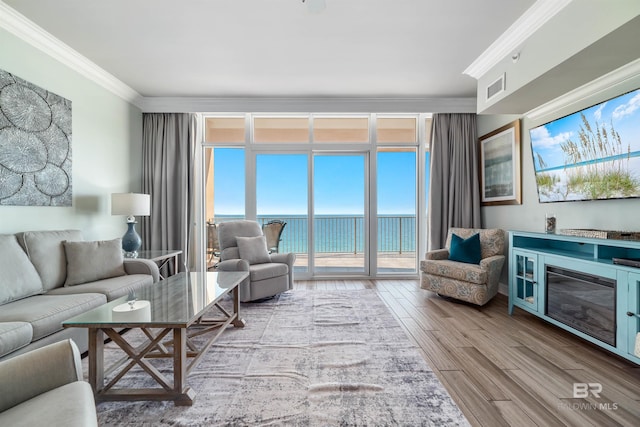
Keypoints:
pixel 131 241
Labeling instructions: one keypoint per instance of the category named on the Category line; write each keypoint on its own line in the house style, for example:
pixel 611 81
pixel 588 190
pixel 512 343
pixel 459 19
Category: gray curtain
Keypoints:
pixel 454 191
pixel 167 165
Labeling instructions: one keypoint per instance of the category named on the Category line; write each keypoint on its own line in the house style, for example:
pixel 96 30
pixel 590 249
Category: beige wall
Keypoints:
pixel 106 145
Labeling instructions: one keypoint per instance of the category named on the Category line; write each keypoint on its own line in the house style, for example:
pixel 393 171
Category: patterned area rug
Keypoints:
pixel 305 358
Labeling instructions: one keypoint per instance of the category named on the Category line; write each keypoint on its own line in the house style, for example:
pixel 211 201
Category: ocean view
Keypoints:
pixel 341 233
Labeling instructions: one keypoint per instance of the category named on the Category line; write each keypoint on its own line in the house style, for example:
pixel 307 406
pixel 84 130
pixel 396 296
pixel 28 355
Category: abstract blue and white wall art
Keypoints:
pixel 35 145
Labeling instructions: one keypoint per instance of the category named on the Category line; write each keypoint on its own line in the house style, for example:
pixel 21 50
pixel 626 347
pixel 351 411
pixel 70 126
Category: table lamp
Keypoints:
pixel 132 205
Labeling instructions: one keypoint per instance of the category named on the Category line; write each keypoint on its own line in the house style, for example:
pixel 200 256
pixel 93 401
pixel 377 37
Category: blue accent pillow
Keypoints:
pixel 465 250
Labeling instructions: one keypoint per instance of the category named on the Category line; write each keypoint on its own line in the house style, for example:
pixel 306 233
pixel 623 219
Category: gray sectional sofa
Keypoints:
pixel 47 277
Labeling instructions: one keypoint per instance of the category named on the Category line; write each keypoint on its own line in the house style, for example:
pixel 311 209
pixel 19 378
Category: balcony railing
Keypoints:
pixel 343 234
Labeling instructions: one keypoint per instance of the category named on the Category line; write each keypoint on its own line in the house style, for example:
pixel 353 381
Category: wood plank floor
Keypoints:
pixel 506 370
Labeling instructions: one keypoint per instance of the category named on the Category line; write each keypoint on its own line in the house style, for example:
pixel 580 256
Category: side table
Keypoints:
pixel 162 257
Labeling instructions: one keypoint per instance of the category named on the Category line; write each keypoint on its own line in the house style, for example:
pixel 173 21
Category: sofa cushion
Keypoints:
pixel 267 271
pixel 91 261
pixel 46 313
pixel 14 335
pixel 112 288
pixel 18 277
pixel 70 405
pixel 455 270
pixel 46 252
pixel 253 249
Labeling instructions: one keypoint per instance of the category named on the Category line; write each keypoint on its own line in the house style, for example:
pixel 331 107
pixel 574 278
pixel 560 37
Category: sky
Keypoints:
pixel 623 112
pixel 339 182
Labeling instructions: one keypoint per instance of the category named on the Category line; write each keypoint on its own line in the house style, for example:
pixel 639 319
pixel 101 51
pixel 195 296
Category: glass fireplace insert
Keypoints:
pixel 582 301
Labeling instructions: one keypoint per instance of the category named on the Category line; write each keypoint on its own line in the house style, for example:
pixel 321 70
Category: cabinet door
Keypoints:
pixel 524 280
pixel 633 313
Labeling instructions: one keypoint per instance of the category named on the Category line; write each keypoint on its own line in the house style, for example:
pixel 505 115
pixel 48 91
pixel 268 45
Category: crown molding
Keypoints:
pixel 308 105
pixel 534 18
pixel 595 87
pixel 18 25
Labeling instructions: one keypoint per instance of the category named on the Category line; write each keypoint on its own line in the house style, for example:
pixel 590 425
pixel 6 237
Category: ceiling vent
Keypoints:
pixel 496 87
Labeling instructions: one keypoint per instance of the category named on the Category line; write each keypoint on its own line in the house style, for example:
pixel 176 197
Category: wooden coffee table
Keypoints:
pixel 179 310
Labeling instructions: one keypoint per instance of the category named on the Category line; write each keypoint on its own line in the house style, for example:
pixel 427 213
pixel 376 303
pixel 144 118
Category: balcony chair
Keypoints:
pixel 476 283
pixel 243 248
pixel 213 246
pixel 272 230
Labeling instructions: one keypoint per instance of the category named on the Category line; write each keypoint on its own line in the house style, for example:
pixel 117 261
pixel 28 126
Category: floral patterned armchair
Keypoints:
pixel 474 283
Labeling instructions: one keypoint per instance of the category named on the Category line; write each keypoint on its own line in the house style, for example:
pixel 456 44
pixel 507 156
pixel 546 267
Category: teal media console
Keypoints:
pixel 574 283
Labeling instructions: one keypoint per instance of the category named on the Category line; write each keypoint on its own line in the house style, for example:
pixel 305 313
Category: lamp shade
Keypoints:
pixel 130 204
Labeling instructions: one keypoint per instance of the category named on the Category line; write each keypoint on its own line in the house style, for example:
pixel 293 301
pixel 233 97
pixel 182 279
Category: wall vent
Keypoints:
pixel 496 87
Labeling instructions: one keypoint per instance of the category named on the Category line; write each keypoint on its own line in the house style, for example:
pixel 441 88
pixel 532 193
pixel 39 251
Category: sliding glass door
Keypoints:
pixel 339 213
pixel 282 196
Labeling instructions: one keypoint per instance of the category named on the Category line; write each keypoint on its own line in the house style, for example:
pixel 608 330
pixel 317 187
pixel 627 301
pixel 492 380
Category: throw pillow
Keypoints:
pixel 253 249
pixel 46 252
pixel 465 250
pixel 18 278
pixel 91 261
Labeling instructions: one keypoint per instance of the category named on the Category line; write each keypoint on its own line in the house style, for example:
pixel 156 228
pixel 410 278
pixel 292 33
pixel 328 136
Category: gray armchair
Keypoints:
pixel 243 248
pixel 474 283
pixel 45 387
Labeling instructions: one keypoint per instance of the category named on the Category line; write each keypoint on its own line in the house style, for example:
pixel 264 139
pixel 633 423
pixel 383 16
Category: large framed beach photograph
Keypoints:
pixel 500 166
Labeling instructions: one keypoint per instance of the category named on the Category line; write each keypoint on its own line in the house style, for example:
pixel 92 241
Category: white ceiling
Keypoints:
pixel 278 48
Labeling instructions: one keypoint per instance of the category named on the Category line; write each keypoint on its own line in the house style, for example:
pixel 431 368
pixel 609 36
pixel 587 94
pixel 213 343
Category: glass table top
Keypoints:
pixel 174 302
pixel 158 254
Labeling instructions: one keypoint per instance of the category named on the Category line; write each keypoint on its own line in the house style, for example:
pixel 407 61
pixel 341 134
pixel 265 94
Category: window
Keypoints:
pixel 225 183
pixel 348 186
pixel 280 129
pixel 224 129
pixel 396 129
pixel 341 129
pixel 396 212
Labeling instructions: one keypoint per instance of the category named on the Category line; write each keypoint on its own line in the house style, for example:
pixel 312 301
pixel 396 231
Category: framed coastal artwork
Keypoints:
pixel 500 166
pixel 35 145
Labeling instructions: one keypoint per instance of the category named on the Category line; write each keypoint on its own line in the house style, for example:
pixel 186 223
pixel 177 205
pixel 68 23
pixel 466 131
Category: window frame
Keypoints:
pixel 253 148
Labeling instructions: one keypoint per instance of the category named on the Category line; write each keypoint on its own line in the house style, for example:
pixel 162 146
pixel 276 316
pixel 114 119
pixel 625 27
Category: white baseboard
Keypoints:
pixel 503 289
